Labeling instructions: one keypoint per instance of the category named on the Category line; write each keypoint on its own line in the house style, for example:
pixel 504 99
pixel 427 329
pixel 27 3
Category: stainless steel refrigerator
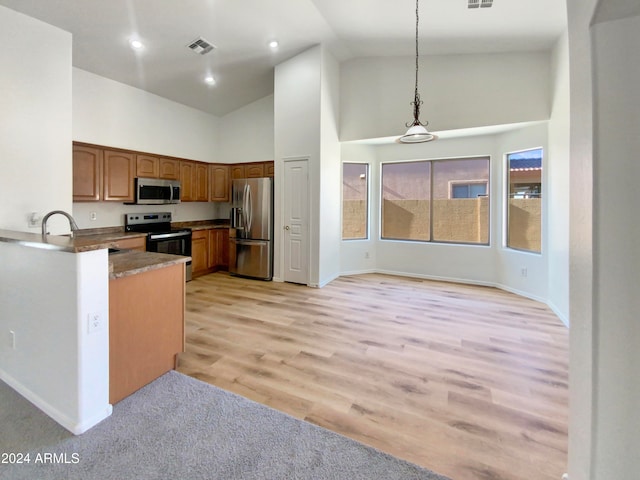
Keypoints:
pixel 251 232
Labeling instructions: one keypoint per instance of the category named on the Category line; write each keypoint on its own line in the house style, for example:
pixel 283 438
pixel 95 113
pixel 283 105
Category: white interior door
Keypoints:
pixel 296 221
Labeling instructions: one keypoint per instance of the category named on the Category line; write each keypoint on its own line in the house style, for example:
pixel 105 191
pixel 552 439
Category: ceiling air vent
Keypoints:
pixel 479 3
pixel 201 46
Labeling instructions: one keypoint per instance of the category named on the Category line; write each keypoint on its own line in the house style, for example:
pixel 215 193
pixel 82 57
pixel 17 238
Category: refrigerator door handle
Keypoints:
pixel 245 209
pixel 244 241
pixel 249 208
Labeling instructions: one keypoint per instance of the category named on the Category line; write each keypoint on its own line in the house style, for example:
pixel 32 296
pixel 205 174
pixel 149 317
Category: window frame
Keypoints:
pixel 368 203
pixel 431 161
pixel 507 196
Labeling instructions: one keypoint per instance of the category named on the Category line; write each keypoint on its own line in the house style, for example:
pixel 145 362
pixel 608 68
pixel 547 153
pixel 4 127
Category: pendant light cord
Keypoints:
pixel 416 99
pixel 417 22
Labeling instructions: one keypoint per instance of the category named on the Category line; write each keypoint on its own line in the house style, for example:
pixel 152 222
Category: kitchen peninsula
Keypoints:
pixel 98 326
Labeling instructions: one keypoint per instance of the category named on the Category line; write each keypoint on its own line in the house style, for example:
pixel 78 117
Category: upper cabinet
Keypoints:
pixel 219 183
pixel 169 169
pixel 100 174
pixel 107 174
pixel 87 173
pixel 238 171
pixel 269 170
pixel 254 170
pixel 186 180
pixel 119 170
pixel 194 180
pixel 147 166
pixel 201 182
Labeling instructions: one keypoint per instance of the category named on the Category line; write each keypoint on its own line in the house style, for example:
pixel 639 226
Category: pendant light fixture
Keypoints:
pixel 417 132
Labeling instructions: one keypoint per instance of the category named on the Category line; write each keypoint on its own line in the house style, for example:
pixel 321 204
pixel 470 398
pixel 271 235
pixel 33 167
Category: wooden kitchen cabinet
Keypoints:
pixel 194 181
pixel 147 166
pixel 119 170
pixel 219 249
pixel 237 171
pixel 201 182
pixel 254 170
pixel 269 169
pixel 87 173
pixel 146 328
pixel 169 169
pixel 186 180
pixel 136 243
pixel 199 252
pixel 219 183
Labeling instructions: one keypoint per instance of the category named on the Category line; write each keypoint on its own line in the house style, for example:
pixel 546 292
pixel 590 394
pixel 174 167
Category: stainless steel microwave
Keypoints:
pixel 155 191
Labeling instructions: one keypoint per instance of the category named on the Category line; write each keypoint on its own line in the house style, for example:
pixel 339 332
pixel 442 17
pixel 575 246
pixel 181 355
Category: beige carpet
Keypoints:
pixel 180 428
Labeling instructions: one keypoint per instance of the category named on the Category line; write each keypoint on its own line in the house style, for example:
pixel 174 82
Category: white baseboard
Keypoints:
pixel 73 426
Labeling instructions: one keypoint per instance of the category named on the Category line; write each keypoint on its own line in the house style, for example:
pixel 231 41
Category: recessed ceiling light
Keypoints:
pixel 210 80
pixel 273 44
pixel 136 44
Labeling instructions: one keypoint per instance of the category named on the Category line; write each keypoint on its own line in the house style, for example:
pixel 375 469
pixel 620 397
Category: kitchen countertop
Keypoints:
pixel 64 243
pixel 132 262
pixel 202 224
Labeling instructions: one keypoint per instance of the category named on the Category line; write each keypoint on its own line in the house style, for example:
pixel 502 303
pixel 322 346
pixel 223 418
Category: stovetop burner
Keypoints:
pixel 150 223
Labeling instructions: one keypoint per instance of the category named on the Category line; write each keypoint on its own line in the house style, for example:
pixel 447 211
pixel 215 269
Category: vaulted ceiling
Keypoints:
pixel 242 63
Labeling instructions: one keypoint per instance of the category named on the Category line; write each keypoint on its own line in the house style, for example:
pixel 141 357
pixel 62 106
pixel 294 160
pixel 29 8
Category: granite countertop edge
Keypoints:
pixel 87 240
pixel 133 262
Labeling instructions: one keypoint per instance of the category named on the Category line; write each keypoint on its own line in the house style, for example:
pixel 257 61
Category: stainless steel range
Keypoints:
pixel 161 237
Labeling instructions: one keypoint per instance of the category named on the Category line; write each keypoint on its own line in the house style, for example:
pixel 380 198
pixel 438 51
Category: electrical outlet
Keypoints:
pixel 33 220
pixel 94 322
pixel 93 216
pixel 366 254
pixel 523 272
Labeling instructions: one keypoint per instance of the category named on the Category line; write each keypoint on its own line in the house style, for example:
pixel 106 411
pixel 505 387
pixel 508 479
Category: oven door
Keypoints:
pixel 173 243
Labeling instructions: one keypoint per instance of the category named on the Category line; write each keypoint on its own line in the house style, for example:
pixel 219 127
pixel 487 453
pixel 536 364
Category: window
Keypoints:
pixel 464 218
pixel 524 200
pixel 436 201
pixel 406 201
pixel 355 196
pixel 468 190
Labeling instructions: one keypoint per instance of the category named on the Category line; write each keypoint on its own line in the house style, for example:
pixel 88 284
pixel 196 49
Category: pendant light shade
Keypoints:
pixel 417 132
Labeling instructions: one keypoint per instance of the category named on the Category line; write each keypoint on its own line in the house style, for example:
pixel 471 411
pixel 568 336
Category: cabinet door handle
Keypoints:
pixel 287 227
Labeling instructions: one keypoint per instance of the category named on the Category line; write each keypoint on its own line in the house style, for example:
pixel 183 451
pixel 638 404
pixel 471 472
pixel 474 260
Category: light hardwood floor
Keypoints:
pixel 468 381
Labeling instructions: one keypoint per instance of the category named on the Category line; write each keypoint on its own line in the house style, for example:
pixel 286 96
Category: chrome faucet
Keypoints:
pixel 72 223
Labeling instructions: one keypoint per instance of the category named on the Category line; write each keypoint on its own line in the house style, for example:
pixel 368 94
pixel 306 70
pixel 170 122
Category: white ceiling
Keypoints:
pixel 243 63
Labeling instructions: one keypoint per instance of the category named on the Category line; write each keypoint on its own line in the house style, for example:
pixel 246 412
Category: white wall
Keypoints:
pixel 246 135
pixel 581 281
pixel 430 260
pixel 297 135
pixel 557 183
pixel 45 299
pixel 458 91
pixel 106 112
pixel 616 262
pixel 330 228
pixel 360 256
pixel 35 121
pixel 511 262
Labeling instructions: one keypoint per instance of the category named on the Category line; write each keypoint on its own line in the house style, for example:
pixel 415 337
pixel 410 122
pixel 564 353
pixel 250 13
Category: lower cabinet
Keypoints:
pixel 199 252
pixel 219 249
pixel 146 328
pixel 209 251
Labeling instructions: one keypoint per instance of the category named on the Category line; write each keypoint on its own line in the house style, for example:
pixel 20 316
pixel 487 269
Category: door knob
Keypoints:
pixel 287 227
